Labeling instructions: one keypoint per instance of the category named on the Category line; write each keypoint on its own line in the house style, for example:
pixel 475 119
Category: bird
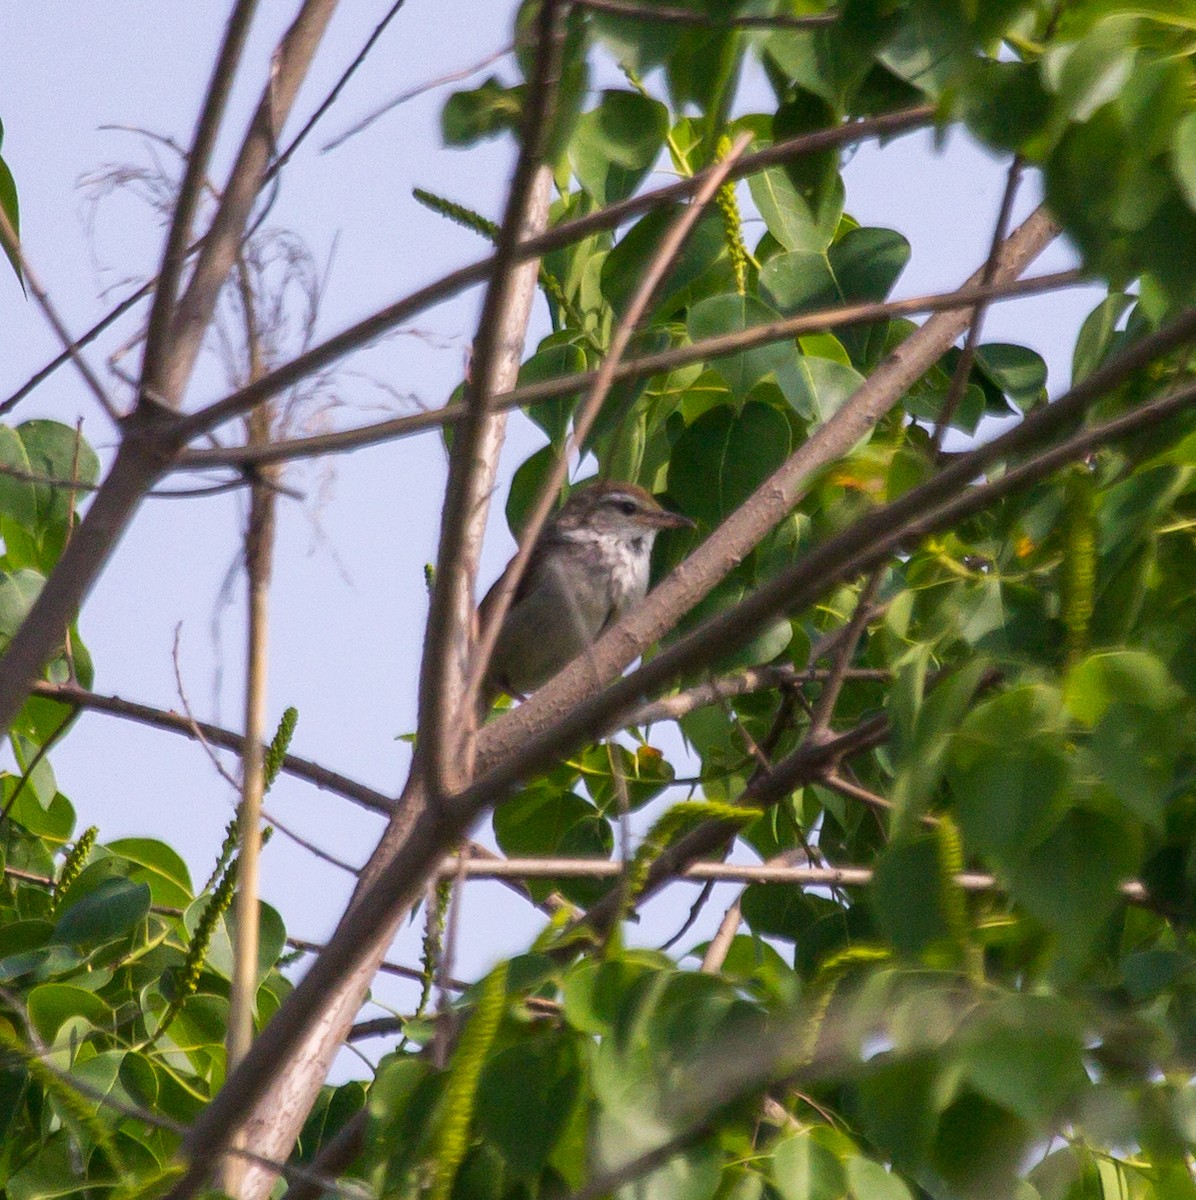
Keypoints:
pixel 588 567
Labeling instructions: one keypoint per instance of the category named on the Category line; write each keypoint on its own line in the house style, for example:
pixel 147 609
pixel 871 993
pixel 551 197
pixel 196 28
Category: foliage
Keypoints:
pixel 1033 667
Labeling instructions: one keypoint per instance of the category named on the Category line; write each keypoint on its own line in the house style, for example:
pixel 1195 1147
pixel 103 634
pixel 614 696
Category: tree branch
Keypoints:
pixel 12 244
pixel 186 203
pixel 572 691
pixel 610 217
pixel 632 368
pixel 446 718
pixel 190 319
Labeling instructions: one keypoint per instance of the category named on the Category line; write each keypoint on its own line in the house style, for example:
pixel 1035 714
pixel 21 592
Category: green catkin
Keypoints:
pixel 451 1140
pixel 955 909
pixel 227 849
pixel 825 984
pixel 470 219
pixel 433 935
pixel 277 749
pixel 72 867
pixel 670 823
pixel 77 1106
pixel 218 904
pixel 1078 579
pixel 728 207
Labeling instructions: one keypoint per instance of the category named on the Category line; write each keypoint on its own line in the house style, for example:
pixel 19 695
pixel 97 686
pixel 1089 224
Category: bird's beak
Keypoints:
pixel 670 520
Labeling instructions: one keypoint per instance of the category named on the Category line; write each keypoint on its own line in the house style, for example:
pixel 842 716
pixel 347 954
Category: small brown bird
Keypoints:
pixel 588 567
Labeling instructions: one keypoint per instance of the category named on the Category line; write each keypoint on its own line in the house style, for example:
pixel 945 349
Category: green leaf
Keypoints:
pixel 1097 333
pixel 1018 371
pixel 868 1180
pixel 615 145
pixel 805 1170
pixel 1024 1055
pixel 8 202
pixel 789 217
pixel 1109 677
pixel 556 357
pixel 624 265
pixel 823 387
pixel 1069 881
pixel 1183 157
pixel 1087 74
pixel 907 894
pixel 1009 771
pixel 18 591
pixel 59 452
pixel 17 496
pixel 50 1005
pixel 483 112
pixel 867 262
pixel 162 870
pixel 112 909
pixel 526 1098
pixel 732 314
pixel 545 821
pixel 722 458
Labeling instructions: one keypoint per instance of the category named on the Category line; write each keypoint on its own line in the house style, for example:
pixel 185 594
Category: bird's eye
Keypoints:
pixel 626 507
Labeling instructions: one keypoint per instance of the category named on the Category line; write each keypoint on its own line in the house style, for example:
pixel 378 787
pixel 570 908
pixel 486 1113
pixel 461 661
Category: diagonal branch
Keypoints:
pixel 443 711
pixel 12 244
pixel 175 252
pixel 190 319
pixel 571 692
pixel 562 235
pixel 158 718
pixel 634 368
pixel 963 368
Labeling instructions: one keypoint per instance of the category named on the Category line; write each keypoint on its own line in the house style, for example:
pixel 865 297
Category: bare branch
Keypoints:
pixel 216 257
pixel 562 235
pixel 963 368
pixel 634 368
pixel 445 718
pixel 175 252
pixel 843 653
pixel 12 244
pixel 330 99
pixel 742 683
pixel 73 347
pixel 158 718
pixel 412 93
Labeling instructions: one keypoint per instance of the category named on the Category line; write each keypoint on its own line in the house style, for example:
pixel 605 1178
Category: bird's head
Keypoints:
pixel 623 511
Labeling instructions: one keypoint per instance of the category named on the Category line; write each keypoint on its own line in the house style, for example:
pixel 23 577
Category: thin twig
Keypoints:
pixel 963 368
pixel 196 731
pixel 565 234
pixel 412 93
pixel 309 846
pixel 215 735
pixel 12 245
pixel 820 723
pixel 330 99
pixel 638 367
pixel 446 717
pixel 41 753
